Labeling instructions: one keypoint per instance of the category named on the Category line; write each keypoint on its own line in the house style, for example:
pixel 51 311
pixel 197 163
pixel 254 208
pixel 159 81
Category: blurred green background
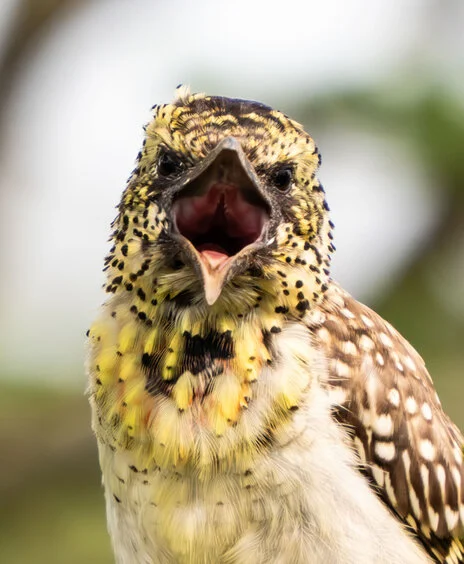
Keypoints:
pixel 380 89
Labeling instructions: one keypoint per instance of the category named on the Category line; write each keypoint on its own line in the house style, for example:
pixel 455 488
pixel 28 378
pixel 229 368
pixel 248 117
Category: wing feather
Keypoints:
pixel 408 447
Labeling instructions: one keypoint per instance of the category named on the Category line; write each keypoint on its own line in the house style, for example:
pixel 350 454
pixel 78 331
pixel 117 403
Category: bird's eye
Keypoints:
pixel 169 164
pixel 282 178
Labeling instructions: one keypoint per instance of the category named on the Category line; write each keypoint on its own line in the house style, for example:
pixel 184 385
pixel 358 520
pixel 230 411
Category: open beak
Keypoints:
pixel 220 215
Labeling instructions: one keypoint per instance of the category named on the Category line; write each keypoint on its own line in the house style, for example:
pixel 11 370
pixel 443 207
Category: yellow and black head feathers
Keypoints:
pixel 224 192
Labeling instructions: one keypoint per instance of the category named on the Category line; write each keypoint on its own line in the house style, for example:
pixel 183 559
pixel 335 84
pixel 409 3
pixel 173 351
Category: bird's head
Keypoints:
pixel 224 201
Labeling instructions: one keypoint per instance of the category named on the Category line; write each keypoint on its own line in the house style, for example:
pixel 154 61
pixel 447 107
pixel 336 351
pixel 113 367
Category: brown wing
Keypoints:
pixel 409 448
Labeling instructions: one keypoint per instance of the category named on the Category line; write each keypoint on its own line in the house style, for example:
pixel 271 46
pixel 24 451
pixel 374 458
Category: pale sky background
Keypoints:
pixel 84 90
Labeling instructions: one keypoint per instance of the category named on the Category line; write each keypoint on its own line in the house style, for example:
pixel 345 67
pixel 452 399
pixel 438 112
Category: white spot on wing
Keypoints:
pixel 390 328
pixel 366 344
pixel 385 339
pixel 426 449
pixel 394 397
pixel 452 517
pixel 434 517
pixel 348 347
pixel 414 500
pixel 456 476
pixel 409 363
pixel 411 405
pixel 342 369
pixel 426 411
pixel 457 454
pixel 383 425
pixel 379 474
pixel 406 462
pixel 441 477
pixel 371 384
pixel 347 313
pixel 390 491
pixel 337 395
pixel 379 359
pixel 424 472
pixel 367 322
pixel 366 418
pixel 385 451
pixel 324 335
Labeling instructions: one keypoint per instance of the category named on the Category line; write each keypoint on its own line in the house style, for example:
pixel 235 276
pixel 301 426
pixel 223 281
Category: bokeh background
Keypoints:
pixel 380 85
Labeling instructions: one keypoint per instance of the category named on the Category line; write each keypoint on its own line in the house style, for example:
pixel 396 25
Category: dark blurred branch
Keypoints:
pixel 32 17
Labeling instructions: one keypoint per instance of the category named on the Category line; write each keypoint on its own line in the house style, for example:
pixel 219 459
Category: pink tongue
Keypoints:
pixel 214 255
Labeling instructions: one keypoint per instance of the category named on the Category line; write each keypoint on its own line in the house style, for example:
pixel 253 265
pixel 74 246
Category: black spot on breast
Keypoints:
pixel 184 298
pixel 266 439
pixel 200 352
pixel 156 385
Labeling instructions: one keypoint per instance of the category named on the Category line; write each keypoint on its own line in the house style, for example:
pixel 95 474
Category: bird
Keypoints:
pixel 247 409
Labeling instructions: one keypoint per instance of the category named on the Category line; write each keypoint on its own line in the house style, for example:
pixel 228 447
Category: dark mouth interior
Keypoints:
pixel 225 219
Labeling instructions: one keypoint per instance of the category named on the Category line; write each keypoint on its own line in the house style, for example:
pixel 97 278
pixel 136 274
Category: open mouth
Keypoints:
pixel 221 222
pixel 221 215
